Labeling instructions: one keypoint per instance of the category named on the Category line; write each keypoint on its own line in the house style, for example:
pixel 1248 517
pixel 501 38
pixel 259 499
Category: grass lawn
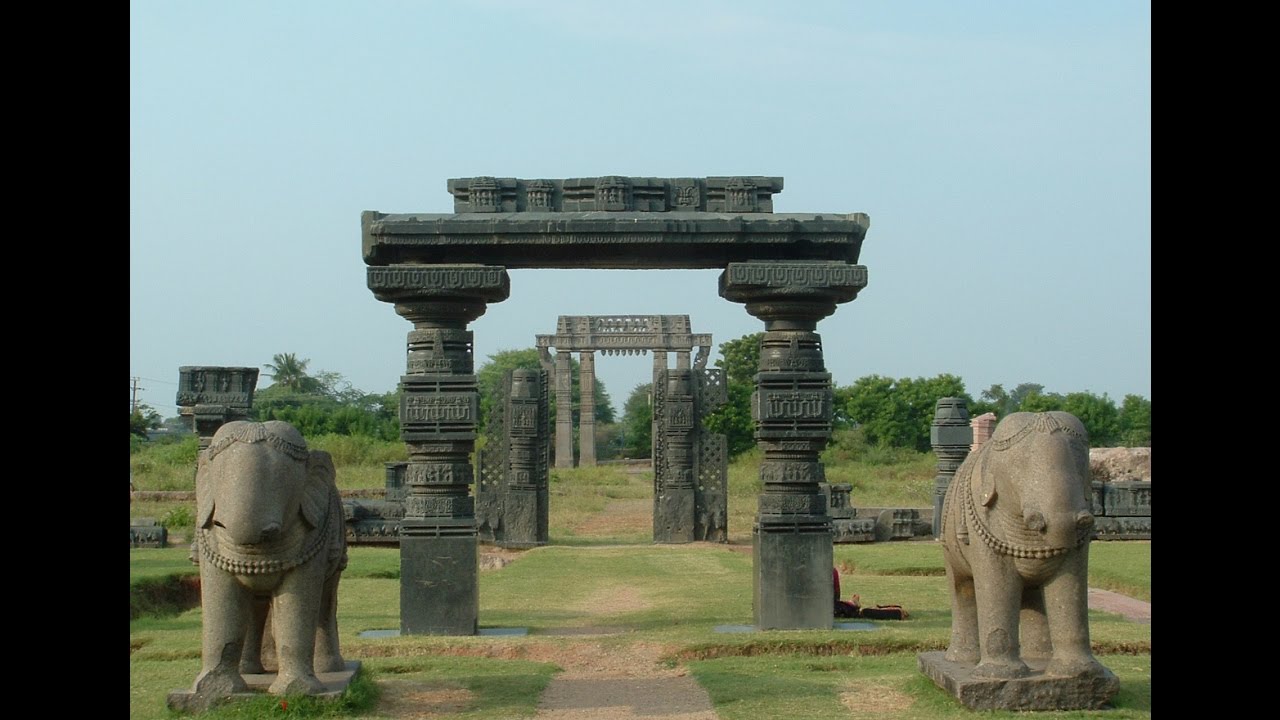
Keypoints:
pixel 603 586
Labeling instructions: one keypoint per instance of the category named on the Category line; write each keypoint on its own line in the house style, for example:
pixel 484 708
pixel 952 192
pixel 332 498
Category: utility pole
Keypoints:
pixel 133 404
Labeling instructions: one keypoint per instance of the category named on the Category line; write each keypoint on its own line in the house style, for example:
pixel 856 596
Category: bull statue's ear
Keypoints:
pixel 204 493
pixel 984 481
pixel 321 476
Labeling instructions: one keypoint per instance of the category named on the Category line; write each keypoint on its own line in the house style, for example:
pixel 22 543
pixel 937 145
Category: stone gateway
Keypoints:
pixel 440 271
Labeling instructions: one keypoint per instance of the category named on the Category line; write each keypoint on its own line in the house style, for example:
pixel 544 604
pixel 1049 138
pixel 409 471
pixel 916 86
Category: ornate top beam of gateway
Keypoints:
pixel 612 222
pixel 624 333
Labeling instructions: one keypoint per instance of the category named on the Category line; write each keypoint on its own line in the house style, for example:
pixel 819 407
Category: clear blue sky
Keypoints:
pixel 1001 148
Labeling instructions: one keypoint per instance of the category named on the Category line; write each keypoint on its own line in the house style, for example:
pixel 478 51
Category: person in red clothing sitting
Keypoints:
pixel 851 609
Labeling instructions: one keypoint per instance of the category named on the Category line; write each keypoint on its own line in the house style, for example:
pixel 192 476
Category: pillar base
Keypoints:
pixel 791 575
pixel 524 520
pixel 674 517
pixel 439 580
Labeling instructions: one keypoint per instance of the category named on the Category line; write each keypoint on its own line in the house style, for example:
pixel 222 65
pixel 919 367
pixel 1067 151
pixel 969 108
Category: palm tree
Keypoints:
pixel 288 371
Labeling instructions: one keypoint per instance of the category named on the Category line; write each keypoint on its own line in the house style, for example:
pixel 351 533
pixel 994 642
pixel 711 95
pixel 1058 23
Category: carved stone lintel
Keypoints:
pixel 615 193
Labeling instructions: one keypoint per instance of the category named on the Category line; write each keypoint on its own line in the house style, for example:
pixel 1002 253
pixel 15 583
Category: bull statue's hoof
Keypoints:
pixel 1001 671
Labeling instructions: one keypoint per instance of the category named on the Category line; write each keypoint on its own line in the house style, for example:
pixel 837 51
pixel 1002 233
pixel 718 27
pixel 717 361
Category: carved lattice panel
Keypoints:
pixel 713 392
pixel 492 465
pixel 713 487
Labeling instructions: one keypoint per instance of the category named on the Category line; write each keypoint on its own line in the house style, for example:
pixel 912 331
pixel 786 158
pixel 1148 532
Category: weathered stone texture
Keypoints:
pixel 1120 464
pixel 1037 691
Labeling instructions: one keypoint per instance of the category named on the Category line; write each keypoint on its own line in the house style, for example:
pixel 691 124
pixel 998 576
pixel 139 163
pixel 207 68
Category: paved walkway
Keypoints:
pixel 1138 611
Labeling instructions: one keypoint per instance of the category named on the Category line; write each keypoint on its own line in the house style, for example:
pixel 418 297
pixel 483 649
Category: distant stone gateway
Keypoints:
pixel 440 271
pixel 608 335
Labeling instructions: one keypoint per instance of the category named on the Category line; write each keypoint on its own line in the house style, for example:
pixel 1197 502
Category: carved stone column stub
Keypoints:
pixel 690 463
pixel 792 410
pixel 211 396
pixel 951 436
pixel 512 493
pixel 439 409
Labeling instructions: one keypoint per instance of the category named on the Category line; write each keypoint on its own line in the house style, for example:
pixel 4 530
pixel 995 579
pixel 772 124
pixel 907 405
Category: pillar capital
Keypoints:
pixel 441 295
pixel 791 295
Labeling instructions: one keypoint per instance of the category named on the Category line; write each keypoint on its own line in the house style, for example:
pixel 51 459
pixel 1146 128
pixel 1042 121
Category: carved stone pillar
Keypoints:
pixel 659 363
pixel 792 410
pixel 674 506
pixel 682 360
pixel 439 407
pixel 950 435
pixel 526 510
pixel 564 410
pixel 659 367
pixel 587 415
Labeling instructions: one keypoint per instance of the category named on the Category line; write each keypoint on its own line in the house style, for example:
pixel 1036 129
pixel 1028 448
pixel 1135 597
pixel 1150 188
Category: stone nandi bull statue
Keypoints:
pixel 1016 526
pixel 269 538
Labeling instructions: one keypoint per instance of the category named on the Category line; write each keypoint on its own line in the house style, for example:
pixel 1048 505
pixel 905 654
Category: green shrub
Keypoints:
pixel 845 446
pixel 176 453
pixel 179 517
pixel 359 449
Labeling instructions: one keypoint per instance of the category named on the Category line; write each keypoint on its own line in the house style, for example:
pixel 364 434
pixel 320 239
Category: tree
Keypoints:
pixel 1041 402
pixel 1098 414
pixel 898 412
pixel 1135 421
pixel 286 370
pixel 740 360
pixel 142 418
pixel 327 404
pixel 637 422
pixel 489 379
pixel 995 399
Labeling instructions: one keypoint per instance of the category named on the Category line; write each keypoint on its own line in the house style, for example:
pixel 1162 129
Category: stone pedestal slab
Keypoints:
pixel 439 584
pixel 1034 692
pixel 335 683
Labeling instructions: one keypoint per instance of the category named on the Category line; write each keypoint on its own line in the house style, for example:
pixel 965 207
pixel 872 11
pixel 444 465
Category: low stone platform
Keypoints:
pixel 1034 692
pixel 335 683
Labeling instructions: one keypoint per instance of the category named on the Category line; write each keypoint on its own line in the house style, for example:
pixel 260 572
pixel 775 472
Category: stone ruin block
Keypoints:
pixel 853 530
pixel 147 533
pixel 1127 499
pixel 845 528
pixel 377 522
pixel 1097 498
pixel 837 497
pixel 897 524
pixel 1137 527
pixel 1122 510
pixel 211 396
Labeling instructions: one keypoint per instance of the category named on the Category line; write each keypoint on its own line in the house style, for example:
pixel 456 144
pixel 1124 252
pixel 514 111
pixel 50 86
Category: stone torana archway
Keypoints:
pixel 608 335
pixel 441 270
